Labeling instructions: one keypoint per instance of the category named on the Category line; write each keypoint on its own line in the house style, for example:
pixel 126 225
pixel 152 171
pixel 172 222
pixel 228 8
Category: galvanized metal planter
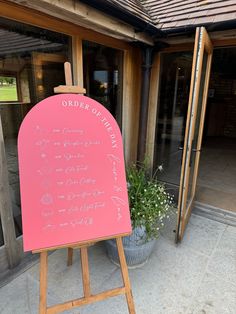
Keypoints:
pixel 137 249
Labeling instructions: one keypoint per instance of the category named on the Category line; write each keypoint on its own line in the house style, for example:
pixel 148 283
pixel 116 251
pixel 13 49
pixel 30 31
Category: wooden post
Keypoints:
pixel 88 296
pixel 68 74
pixel 69 256
pixel 43 282
pixel 69 88
pixel 85 271
pixel 6 213
pixel 125 276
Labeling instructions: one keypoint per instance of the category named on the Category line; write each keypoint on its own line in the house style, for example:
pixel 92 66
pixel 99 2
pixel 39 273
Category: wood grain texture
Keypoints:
pixel 6 213
pixel 43 282
pixel 85 271
pixel 70 256
pixel 64 89
pixel 88 297
pixel 186 197
pixel 77 245
pixel 68 73
pixel 153 108
pixel 125 276
pixel 83 301
pixel 59 17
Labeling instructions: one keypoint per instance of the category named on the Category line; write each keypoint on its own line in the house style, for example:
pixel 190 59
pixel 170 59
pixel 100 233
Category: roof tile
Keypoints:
pixel 168 14
pixel 186 12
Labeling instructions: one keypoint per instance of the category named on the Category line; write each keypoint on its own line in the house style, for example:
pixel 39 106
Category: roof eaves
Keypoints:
pixel 216 25
pixel 120 12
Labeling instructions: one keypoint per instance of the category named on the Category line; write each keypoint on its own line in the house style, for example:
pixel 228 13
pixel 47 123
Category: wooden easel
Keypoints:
pixel 83 246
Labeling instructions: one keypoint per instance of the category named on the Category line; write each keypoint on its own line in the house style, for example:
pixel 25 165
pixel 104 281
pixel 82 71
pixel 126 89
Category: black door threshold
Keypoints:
pixel 218 214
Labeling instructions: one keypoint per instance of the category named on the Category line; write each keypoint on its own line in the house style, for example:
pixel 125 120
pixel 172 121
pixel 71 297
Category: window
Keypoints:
pixel 31 65
pixel 172 113
pixel 8 88
pixel 102 67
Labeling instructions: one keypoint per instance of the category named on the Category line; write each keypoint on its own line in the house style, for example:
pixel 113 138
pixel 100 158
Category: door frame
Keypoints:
pixel 155 90
pixel 202 43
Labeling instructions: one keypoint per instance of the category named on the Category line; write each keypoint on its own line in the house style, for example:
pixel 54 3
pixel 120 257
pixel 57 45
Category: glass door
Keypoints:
pixel 172 114
pixel 194 127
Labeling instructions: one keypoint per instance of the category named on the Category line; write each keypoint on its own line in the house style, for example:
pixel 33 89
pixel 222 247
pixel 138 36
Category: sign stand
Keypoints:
pixel 83 246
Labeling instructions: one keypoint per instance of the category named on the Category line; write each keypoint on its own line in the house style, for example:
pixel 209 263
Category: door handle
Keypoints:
pixel 182 149
pixel 193 150
pixel 196 150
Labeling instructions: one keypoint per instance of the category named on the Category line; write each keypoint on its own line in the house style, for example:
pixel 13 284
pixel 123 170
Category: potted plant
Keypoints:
pixel 150 205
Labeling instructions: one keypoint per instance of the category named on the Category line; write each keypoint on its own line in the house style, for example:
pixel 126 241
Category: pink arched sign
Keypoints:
pixel 72 177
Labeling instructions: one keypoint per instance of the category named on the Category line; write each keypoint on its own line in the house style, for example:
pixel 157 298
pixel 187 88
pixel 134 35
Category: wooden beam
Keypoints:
pixel 6 212
pixel 224 42
pixel 179 47
pixel 81 244
pixel 64 89
pixel 77 61
pixel 127 103
pixel 85 271
pixel 33 17
pixel 87 17
pixel 83 301
pixel 125 275
pixel 153 108
pixel 43 282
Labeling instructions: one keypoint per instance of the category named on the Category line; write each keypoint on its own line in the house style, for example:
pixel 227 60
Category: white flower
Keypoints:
pixel 160 168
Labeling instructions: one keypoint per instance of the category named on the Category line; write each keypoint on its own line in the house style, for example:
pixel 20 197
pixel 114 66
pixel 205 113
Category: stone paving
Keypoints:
pixel 196 277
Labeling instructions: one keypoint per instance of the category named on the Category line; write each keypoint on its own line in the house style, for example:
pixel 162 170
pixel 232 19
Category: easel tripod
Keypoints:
pixel 83 246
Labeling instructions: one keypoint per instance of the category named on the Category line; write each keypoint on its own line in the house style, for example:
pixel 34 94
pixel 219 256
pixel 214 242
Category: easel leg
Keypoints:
pixel 85 271
pixel 43 282
pixel 125 275
pixel 69 256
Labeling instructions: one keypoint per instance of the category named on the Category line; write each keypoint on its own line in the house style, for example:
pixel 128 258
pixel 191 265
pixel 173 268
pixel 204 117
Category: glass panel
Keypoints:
pixel 8 89
pixel 196 131
pixel 34 57
pixel 102 67
pixel 172 113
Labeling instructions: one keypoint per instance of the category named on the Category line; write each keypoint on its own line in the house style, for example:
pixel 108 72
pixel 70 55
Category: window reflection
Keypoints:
pixel 102 67
pixel 34 58
pixel 8 88
pixel 172 114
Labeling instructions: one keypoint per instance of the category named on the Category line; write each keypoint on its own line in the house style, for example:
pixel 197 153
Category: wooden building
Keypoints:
pixel 151 64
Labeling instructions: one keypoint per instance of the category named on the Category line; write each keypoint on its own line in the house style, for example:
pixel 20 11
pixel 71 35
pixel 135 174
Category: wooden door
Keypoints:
pixel 194 127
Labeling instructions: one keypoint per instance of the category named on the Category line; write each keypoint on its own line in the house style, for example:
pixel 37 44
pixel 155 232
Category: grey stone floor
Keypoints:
pixel 196 277
pixel 217 174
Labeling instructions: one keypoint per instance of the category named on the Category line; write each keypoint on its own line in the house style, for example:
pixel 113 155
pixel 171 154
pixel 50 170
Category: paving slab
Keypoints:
pixel 195 277
pixel 223 261
pixel 202 234
pixel 214 296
